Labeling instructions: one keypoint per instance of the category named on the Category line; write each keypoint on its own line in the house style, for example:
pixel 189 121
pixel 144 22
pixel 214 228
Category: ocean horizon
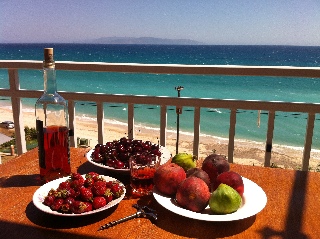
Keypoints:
pixel 289 126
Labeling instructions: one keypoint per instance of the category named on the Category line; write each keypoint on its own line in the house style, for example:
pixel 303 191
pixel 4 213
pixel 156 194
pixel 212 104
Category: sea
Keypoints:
pixel 289 126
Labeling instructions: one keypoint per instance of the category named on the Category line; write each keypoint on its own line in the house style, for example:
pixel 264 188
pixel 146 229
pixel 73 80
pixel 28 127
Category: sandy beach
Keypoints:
pixel 245 152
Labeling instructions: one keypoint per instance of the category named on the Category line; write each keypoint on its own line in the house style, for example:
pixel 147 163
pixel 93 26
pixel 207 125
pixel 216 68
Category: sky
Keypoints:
pixel 216 22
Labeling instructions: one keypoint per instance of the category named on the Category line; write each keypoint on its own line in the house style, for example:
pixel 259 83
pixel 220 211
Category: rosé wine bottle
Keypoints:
pixel 52 126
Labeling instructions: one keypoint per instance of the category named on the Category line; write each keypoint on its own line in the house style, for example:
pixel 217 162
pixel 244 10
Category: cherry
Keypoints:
pixel 110 162
pixel 137 141
pixel 156 152
pixel 123 140
pixel 128 148
pixel 103 149
pixel 129 141
pixel 114 152
pixel 118 164
pixel 121 148
pixel 146 146
pixel 109 144
pixel 124 156
pixel 97 157
pixel 137 148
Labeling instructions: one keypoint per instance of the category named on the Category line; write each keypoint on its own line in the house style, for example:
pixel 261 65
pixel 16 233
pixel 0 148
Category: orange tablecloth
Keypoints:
pixel 292 210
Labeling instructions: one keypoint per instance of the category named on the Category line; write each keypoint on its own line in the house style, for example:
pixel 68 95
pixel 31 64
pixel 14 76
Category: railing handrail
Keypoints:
pixel 182 101
pixel 238 70
pixel 283 71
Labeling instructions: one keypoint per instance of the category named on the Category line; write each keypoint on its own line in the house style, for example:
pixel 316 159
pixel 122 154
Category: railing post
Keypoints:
pixel 268 150
pixel 232 132
pixel 196 131
pixel 100 119
pixel 308 142
pixel 17 111
pixel 71 113
pixel 130 121
pixel 163 125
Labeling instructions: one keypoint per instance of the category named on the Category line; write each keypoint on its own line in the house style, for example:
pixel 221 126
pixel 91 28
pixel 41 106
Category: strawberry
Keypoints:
pixel 76 184
pixel 64 185
pixel 99 202
pixel 69 200
pixel 77 176
pixel 64 193
pixel 81 207
pixel 99 188
pixel 109 184
pixel 108 195
pixel 117 190
pixel 56 205
pixel 88 182
pixel 88 206
pixel 77 207
pixel 94 176
pixel 48 200
pixel 86 194
pixel 56 193
pixel 77 195
pixel 65 208
pixel 67 205
pixel 52 191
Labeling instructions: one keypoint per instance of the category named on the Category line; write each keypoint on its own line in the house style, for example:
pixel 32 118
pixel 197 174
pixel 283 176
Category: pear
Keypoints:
pixel 225 200
pixel 185 160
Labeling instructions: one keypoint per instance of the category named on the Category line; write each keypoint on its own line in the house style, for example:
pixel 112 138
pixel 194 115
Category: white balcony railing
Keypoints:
pixel 15 93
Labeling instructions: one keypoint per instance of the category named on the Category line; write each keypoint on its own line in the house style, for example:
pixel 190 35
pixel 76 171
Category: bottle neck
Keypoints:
pixel 49 77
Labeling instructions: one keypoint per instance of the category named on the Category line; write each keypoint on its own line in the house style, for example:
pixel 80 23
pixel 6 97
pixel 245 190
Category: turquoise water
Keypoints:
pixel 289 127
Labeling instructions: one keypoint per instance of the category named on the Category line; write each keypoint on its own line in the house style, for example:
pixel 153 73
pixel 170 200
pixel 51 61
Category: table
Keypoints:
pixel 292 210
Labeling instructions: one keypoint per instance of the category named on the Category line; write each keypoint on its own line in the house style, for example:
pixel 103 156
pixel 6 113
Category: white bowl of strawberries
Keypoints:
pixel 79 195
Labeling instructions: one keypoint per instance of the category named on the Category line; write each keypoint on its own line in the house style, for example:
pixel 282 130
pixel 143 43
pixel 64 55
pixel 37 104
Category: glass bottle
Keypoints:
pixel 52 125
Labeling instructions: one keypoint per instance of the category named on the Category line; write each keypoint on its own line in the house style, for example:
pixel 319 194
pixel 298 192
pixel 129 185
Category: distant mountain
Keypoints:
pixel 144 40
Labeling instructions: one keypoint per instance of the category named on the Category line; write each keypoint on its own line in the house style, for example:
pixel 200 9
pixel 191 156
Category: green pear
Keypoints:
pixel 185 160
pixel 225 200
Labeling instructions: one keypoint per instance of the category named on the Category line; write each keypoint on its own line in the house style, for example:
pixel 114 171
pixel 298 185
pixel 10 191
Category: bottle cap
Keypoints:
pixel 48 58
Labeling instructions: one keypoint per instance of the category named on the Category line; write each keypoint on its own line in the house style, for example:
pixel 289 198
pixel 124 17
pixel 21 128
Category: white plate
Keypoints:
pixel 42 192
pixel 254 200
pixel 165 156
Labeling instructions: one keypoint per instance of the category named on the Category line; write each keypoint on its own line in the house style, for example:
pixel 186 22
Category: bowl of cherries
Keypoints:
pixel 115 155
